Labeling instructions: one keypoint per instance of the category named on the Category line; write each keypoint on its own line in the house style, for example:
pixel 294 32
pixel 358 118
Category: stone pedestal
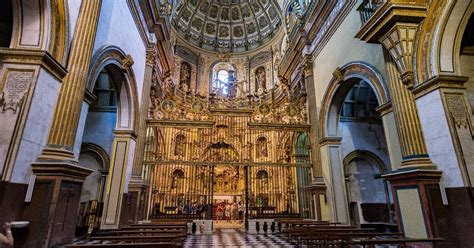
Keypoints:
pixel 261 222
pixel 318 194
pixel 52 212
pixel 411 196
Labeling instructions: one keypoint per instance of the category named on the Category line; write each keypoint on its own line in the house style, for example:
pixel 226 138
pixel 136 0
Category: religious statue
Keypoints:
pixel 261 78
pixel 262 149
pixel 185 76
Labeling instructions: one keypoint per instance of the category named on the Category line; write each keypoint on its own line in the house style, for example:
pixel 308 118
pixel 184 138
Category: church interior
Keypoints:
pixel 273 123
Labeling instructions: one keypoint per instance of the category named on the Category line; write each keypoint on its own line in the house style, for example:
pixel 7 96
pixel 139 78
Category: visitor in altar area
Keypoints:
pixel 220 211
pixel 234 211
pixel 241 211
pixel 227 211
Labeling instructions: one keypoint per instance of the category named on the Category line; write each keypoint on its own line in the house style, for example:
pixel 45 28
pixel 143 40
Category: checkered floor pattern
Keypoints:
pixel 235 238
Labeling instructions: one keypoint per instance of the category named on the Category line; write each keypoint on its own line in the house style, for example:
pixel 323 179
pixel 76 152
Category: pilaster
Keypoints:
pixel 115 188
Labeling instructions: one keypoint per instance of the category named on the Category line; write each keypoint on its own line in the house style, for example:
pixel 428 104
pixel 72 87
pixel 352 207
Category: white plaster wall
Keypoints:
pixel 99 129
pixel 438 138
pixel 117 27
pixel 73 6
pixel 37 125
pixel 343 48
pixel 393 143
pixel 363 136
pixel 129 165
pixel 91 186
pixel 80 129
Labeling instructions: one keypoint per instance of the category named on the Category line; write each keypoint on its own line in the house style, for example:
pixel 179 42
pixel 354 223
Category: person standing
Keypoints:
pixel 6 240
pixel 220 211
pixel 241 211
pixel 227 210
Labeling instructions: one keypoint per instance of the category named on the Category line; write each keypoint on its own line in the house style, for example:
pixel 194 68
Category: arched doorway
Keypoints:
pixel 350 123
pixel 108 120
pixel 368 194
pixel 97 142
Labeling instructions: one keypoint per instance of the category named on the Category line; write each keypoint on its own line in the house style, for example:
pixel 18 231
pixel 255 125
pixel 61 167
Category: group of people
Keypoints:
pixel 194 208
pixel 230 212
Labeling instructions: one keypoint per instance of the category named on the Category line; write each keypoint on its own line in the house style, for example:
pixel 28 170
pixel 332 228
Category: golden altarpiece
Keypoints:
pixel 227 146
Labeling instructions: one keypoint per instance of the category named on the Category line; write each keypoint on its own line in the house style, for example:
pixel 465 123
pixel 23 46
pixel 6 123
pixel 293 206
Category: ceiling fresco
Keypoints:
pixel 227 25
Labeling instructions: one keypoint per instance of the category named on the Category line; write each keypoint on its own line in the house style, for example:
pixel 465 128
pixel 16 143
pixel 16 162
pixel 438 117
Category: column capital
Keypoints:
pixel 400 43
pixel 307 66
pixel 150 57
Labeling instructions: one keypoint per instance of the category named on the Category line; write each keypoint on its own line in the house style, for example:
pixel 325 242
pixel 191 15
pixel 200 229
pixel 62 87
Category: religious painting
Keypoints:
pixel 167 105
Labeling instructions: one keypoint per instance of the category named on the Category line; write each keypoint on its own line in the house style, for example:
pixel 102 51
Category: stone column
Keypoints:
pixel 412 142
pixel 417 175
pixel 137 187
pixel 58 177
pixel 318 187
pixel 68 107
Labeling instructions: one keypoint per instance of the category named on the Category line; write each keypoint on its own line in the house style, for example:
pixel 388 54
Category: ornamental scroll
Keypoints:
pixel 458 110
pixel 16 87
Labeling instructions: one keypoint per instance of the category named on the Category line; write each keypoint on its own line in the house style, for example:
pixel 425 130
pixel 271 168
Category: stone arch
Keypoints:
pixel 442 53
pixel 367 194
pixel 342 81
pixel 42 25
pixel 368 155
pixel 98 151
pixel 115 62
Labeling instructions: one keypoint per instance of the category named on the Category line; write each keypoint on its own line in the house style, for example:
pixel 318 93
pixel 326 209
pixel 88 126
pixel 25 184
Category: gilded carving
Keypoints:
pixel 127 62
pixel 338 75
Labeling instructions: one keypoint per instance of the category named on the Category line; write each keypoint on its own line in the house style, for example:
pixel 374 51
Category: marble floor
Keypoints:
pixel 234 237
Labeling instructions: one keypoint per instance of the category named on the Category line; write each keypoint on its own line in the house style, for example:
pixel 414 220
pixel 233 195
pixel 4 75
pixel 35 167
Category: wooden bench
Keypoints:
pixel 141 238
pixel 127 245
pixel 150 231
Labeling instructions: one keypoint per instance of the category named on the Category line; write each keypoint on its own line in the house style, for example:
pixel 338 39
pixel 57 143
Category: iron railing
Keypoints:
pixel 368 8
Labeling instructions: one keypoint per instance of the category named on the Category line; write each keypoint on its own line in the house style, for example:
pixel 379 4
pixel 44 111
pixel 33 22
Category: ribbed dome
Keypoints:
pixel 227 25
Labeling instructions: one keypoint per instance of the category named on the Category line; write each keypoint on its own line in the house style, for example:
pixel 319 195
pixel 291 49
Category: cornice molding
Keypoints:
pixel 327 141
pixel 439 82
pixel 33 57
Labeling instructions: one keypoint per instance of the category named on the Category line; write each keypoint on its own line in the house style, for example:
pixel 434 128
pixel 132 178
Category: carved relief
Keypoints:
pixel 457 109
pixel 16 87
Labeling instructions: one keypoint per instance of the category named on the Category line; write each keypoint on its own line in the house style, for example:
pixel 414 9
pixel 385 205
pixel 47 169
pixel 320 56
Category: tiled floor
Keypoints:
pixel 234 238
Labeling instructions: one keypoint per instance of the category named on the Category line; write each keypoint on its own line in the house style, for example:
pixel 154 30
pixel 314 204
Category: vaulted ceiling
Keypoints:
pixel 227 25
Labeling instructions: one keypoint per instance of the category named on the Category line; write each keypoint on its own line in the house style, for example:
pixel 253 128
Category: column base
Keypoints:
pixel 54 203
pixel 410 189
